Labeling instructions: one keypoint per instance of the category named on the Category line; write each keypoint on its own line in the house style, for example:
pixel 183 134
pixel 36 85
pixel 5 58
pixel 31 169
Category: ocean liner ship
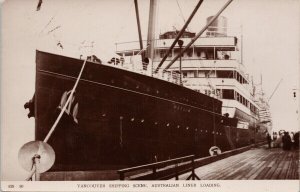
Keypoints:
pixel 124 114
pixel 212 66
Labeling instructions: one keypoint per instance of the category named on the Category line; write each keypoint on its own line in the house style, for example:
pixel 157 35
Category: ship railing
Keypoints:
pixel 164 169
pixel 212 39
pixel 170 76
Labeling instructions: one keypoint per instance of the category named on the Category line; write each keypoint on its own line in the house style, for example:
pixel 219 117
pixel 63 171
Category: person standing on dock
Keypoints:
pixel 274 136
pixel 286 141
pixel 269 139
pixel 292 140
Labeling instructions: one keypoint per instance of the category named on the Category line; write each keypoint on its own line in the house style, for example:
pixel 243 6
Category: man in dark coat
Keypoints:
pixel 286 141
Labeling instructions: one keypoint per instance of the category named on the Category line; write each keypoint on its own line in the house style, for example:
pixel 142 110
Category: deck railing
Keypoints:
pixel 170 76
pixel 168 169
pixel 173 168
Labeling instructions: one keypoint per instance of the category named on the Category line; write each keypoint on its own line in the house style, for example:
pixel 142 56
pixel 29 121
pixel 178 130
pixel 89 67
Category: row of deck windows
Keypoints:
pixel 214 74
pixel 204 53
pixel 162 53
pixel 231 94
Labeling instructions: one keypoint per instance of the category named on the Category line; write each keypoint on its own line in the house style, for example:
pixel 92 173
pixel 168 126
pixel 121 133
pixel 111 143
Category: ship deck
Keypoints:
pixel 255 164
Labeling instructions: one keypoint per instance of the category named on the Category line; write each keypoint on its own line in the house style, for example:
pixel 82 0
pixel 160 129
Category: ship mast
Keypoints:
pixel 139 27
pixel 151 30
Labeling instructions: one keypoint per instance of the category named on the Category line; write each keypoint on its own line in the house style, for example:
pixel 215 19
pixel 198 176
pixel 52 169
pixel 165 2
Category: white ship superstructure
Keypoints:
pixel 212 66
pixel 264 112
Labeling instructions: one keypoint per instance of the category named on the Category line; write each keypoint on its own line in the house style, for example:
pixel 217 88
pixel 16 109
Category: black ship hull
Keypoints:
pixel 124 118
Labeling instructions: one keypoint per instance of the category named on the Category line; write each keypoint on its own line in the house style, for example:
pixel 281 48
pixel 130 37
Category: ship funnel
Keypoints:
pixel 218 28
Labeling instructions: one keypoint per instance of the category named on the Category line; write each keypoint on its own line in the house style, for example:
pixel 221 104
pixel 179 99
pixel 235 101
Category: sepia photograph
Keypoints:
pixel 150 95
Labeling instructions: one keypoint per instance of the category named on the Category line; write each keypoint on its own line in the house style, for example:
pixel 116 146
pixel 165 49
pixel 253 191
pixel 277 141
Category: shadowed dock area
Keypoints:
pixel 254 164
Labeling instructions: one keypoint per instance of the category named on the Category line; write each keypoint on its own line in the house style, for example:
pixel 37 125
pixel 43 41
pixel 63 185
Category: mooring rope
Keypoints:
pixel 66 104
pixel 34 169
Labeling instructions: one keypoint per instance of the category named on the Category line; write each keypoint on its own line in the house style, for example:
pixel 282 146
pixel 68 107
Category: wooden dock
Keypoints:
pixel 255 164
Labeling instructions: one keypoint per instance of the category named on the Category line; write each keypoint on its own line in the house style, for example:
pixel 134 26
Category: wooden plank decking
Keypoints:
pixel 255 164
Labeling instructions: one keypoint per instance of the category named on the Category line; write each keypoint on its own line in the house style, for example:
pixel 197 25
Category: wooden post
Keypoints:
pixel 154 172
pixel 122 176
pixel 193 169
pixel 193 175
pixel 176 171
